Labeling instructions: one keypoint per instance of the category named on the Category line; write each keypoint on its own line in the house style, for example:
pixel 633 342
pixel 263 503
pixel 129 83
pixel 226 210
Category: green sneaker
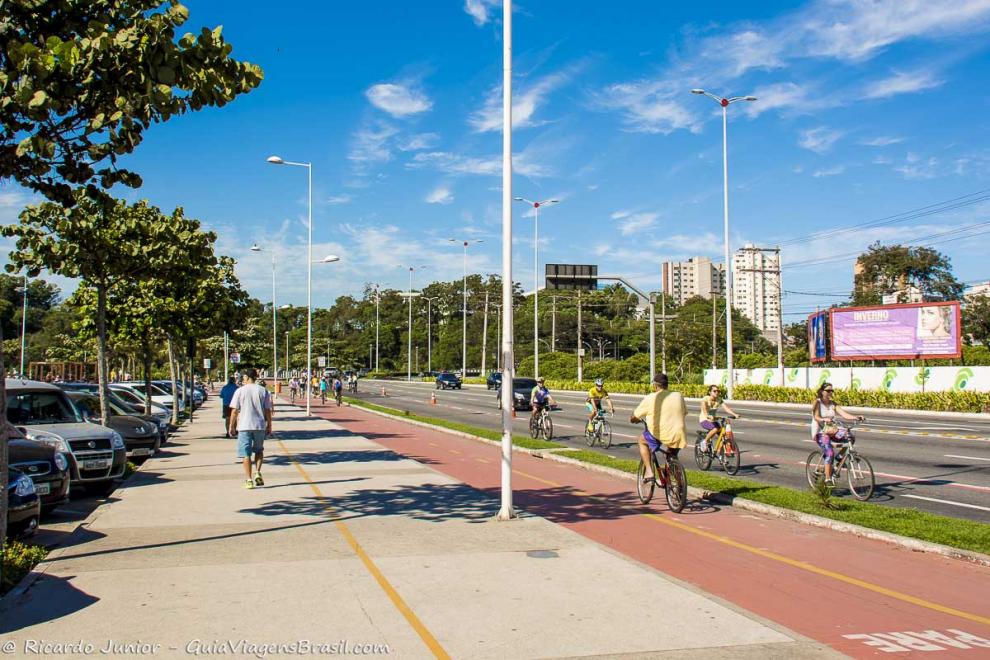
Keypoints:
pixel 258 481
pixel 248 484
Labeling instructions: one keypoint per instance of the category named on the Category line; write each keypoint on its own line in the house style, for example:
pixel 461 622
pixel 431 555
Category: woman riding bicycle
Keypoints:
pixel 707 418
pixel 824 429
pixel 539 398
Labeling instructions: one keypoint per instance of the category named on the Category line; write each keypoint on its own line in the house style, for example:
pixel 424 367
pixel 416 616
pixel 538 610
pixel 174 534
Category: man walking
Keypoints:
pixel 226 395
pixel 251 417
pixel 664 412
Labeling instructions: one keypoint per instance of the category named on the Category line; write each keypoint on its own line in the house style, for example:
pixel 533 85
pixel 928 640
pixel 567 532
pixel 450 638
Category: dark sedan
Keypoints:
pixel 141 434
pixel 494 380
pixel 23 505
pixel 447 381
pixel 47 468
pixel 521 389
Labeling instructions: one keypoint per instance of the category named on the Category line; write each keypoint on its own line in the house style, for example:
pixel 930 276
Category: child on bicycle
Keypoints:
pixel 707 419
pixel 539 398
pixel 596 397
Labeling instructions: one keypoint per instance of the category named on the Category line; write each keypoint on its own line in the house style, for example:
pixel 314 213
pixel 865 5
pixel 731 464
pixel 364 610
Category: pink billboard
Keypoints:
pixel 896 332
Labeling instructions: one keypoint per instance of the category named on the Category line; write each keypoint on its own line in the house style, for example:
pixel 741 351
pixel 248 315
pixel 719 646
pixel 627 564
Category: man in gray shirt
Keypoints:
pixel 251 417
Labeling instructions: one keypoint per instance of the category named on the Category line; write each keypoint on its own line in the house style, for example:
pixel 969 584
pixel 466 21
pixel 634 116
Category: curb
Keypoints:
pixel 909 543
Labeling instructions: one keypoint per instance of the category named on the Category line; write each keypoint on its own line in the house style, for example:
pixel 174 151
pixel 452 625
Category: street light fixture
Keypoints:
pixel 725 103
pixel 277 160
pixel 536 277
pixel 465 243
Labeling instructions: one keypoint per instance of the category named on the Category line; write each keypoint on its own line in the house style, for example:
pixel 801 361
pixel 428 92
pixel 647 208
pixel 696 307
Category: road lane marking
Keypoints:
pixel 482 460
pixel 935 499
pixel 969 458
pixel 783 559
pixel 936 481
pixel 393 595
pixel 453 451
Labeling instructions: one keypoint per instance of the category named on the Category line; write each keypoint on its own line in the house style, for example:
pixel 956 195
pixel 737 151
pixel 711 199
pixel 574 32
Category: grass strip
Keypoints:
pixel 963 534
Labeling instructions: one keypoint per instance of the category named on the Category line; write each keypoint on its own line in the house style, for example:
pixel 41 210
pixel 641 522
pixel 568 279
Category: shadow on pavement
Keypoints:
pixel 315 434
pixel 329 457
pixel 49 598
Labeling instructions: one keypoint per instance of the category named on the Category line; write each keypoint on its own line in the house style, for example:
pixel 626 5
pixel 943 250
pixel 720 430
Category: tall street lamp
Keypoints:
pixel 506 511
pixel 24 309
pixel 258 248
pixel 429 332
pixel 378 324
pixel 409 295
pixel 465 243
pixel 536 277
pixel 276 160
pixel 725 103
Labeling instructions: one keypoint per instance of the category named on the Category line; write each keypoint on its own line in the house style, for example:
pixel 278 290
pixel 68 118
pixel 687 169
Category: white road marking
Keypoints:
pixel 970 458
pixel 935 499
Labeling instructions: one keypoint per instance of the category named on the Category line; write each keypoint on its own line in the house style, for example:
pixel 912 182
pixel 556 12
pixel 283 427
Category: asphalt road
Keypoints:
pixel 928 463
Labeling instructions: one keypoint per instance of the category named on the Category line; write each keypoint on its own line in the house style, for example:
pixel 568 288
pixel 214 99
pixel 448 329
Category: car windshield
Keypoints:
pixel 127 395
pixel 44 407
pixel 523 383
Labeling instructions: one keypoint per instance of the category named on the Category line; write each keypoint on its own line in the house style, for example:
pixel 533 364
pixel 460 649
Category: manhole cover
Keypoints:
pixel 542 554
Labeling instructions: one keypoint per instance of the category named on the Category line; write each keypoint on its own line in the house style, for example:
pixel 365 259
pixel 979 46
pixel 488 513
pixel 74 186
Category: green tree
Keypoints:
pixel 887 269
pixel 976 320
pixel 81 80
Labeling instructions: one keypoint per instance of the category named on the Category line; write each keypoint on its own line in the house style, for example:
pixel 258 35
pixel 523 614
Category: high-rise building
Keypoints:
pixel 755 277
pixel 697 276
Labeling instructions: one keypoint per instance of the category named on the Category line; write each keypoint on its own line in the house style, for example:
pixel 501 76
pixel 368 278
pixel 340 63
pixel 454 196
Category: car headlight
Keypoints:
pixel 23 487
pixel 53 441
pixel 60 462
pixel 520 397
pixel 116 440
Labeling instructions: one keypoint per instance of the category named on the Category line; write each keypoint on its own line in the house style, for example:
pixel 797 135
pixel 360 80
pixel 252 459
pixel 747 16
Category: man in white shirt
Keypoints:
pixel 251 416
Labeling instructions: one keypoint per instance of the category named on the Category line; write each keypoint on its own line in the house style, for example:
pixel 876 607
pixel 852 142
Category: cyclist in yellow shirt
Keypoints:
pixel 596 395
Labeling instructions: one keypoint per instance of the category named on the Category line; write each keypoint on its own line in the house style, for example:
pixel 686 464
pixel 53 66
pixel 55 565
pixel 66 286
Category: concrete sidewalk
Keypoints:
pixel 351 545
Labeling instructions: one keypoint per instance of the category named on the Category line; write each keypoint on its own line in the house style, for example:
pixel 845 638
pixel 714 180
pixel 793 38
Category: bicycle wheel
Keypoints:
pixel 589 436
pixel 728 455
pixel 534 427
pixel 605 434
pixel 547 427
pixel 644 489
pixel 859 472
pixel 814 468
pixel 702 458
pixel 676 490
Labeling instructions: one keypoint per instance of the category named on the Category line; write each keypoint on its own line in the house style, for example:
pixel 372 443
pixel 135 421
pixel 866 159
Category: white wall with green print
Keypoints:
pixel 892 379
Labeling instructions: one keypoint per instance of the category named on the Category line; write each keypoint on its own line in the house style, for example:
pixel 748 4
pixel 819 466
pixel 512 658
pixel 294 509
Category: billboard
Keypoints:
pixel 572 277
pixel 896 332
pixel 817 344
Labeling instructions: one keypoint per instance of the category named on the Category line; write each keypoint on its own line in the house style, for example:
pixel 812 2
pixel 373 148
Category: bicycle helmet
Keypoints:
pixel 599 382
pixel 540 379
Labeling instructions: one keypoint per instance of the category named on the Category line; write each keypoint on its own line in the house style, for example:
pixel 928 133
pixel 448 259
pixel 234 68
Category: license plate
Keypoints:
pixel 141 452
pixel 96 464
pixel 42 489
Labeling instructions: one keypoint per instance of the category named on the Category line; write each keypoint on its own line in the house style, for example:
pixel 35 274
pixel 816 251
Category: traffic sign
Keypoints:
pixel 207 363
pixel 235 358
pixel 573 277
pixel 321 361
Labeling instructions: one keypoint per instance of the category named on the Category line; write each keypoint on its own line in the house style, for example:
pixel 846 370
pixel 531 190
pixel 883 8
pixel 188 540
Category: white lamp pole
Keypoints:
pixel 24 309
pixel 724 103
pixel 536 277
pixel 410 295
pixel 429 332
pixel 378 324
pixel 465 243
pixel 258 248
pixel 506 511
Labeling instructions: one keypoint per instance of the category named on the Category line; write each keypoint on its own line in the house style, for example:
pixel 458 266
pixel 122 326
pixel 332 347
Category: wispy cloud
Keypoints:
pixel 901 83
pixel 440 195
pixel 881 141
pixel 650 107
pixel 917 167
pixel 398 99
pixel 835 170
pixel 819 140
pixel 339 199
pixel 452 163
pixel 525 103
pixel 480 11
pixel 370 144
pixel 419 142
pixel 779 96
pixel 630 223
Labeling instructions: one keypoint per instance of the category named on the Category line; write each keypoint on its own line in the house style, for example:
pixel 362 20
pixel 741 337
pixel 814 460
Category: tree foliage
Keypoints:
pixel 886 269
pixel 81 80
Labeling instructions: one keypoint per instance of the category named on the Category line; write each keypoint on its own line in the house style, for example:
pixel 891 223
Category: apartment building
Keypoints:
pixel 697 276
pixel 755 277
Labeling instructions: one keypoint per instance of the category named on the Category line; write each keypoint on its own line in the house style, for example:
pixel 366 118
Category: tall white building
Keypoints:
pixel 697 276
pixel 755 277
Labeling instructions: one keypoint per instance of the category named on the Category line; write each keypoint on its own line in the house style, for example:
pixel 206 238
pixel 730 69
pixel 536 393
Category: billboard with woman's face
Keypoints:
pixel 897 332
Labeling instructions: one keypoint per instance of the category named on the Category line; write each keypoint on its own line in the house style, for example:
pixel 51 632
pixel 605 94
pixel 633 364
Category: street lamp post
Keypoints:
pixel 536 277
pixel 429 332
pixel 465 243
pixel 725 103
pixel 258 248
pixel 24 309
pixel 409 295
pixel 378 324
pixel 506 510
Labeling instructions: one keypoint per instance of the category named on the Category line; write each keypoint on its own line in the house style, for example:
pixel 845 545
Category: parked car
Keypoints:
pixel 47 467
pixel 494 380
pixel 448 381
pixel 23 505
pixel 157 394
pixel 521 389
pixel 136 401
pixel 97 455
pixel 166 386
pixel 142 435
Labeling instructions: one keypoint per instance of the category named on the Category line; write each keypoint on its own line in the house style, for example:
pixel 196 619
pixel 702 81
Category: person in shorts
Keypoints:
pixel 251 417
pixel 226 395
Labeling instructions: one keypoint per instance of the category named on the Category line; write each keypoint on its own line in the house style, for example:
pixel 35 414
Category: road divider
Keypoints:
pixel 918 530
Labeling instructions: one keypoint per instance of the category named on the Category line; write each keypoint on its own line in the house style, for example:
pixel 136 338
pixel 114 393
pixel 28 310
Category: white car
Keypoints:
pixel 157 395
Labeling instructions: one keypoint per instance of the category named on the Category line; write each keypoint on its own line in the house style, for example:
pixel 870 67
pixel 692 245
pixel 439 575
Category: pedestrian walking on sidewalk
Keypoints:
pixel 251 417
pixel 226 395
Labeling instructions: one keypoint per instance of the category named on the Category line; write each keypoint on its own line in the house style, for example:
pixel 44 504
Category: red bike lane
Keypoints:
pixel 864 598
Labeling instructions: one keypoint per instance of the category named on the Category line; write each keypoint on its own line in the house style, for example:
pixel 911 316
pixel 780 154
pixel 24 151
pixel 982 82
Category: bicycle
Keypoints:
pixel 859 471
pixel 722 447
pixel 601 431
pixel 339 396
pixel 540 424
pixel 323 396
pixel 671 477
pixel 292 395
pixel 352 386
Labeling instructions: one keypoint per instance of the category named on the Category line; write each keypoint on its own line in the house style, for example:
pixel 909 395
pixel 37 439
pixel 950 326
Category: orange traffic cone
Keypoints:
pixel 513 412
pixel 433 398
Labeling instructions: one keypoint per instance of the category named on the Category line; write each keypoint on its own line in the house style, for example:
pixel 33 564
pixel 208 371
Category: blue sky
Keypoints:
pixel 866 109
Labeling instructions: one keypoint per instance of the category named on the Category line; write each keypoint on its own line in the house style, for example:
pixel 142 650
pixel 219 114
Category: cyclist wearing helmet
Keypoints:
pixel 539 398
pixel 596 395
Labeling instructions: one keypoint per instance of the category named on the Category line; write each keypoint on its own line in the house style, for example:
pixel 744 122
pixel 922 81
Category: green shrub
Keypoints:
pixel 17 560
pixel 962 401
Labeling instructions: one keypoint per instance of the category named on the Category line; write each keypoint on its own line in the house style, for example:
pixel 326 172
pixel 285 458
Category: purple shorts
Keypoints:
pixel 708 426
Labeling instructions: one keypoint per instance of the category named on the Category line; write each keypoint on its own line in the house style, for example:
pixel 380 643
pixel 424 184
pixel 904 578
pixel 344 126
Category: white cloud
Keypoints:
pixel 419 142
pixel 916 167
pixel 452 163
pixel 635 222
pixel 819 140
pixel 648 107
pixel 398 100
pixel 370 144
pixel 881 141
pixel 779 96
pixel 480 10
pixel 339 199
pixel 525 103
pixel 440 195
pixel 901 83
pixel 829 171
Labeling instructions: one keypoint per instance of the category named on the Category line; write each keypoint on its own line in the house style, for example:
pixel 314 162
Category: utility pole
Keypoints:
pixel 580 370
pixel 780 300
pixel 226 356
pixel 484 338
pixel 663 333
pixel 553 326
pixel 714 322
pixel 498 337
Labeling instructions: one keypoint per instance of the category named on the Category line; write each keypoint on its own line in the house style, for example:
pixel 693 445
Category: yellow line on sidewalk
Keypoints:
pixel 907 598
pixel 393 595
